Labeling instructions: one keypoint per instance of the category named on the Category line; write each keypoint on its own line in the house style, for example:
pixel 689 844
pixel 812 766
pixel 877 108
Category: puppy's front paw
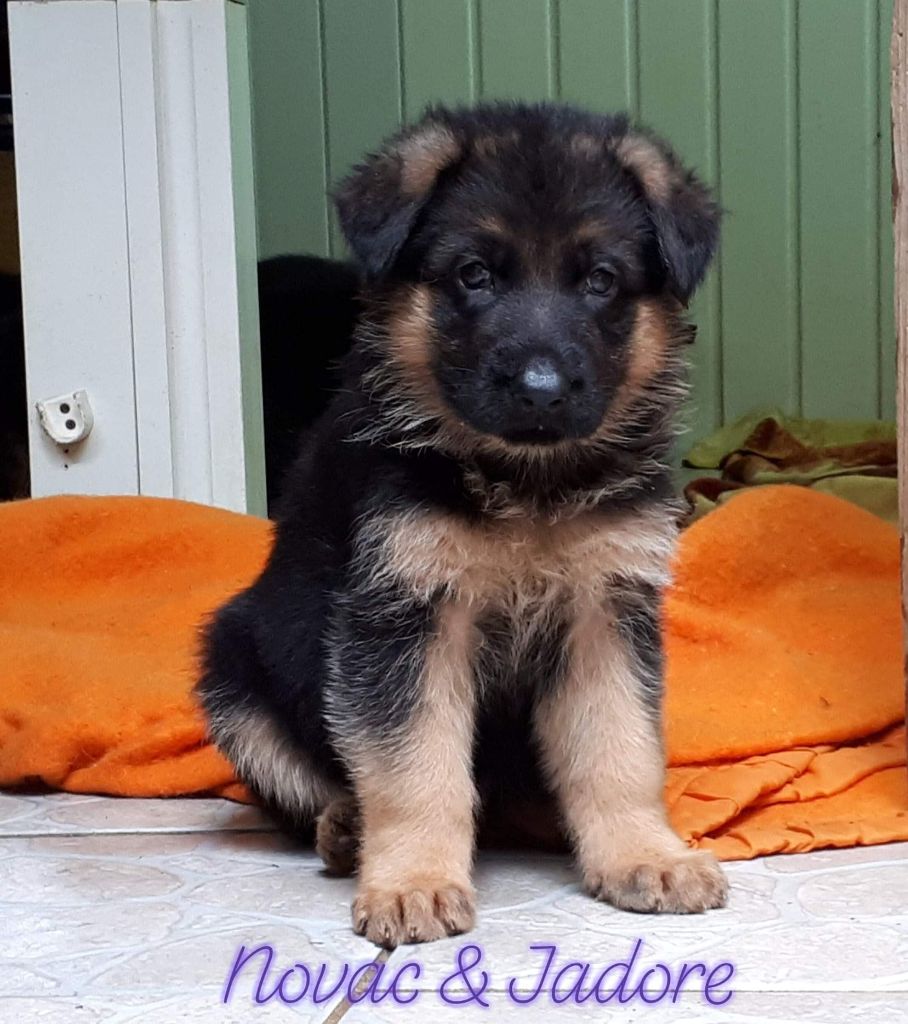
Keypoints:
pixel 421 911
pixel 687 883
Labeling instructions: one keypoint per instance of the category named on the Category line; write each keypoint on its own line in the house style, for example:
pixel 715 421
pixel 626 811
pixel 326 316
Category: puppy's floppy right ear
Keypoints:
pixel 683 211
pixel 380 199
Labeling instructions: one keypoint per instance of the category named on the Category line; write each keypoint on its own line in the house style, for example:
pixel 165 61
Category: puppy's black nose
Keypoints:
pixel 541 385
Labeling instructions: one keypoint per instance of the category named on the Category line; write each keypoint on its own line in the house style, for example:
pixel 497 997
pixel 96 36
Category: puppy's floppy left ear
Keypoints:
pixel 380 199
pixel 684 213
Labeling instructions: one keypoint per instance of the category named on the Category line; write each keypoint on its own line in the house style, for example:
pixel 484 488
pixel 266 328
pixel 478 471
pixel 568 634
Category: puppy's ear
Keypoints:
pixel 380 199
pixel 685 215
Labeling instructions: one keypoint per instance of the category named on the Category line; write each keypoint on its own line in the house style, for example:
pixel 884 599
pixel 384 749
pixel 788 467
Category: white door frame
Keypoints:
pixel 138 250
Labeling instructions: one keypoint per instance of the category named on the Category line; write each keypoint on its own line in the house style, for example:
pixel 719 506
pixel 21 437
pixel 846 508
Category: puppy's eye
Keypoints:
pixel 475 275
pixel 600 281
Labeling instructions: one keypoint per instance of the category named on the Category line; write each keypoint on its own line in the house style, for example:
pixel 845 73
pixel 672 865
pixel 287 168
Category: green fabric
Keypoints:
pixel 710 451
pixel 878 495
pixel 749 453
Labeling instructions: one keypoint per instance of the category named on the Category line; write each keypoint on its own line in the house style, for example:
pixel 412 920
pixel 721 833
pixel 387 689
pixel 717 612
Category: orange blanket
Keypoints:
pixel 784 697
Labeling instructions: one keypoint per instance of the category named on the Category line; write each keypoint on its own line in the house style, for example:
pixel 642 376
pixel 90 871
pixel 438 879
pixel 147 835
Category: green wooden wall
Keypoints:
pixel 781 104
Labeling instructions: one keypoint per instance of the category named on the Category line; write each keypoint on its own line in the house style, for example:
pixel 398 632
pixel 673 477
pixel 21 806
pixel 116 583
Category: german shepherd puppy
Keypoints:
pixel 461 609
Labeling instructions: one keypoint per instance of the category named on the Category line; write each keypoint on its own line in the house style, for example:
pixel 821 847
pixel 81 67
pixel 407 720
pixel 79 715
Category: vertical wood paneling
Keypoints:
pixel 237 25
pixel 781 104
pixel 839 207
pixel 597 51
pixel 517 49
pixel 437 53
pixel 288 126
pixel 759 255
pixel 886 246
pixel 899 103
pixel 362 83
pixel 678 98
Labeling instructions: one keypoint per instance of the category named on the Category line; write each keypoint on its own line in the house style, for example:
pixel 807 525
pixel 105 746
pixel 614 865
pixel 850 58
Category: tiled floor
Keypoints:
pixel 134 910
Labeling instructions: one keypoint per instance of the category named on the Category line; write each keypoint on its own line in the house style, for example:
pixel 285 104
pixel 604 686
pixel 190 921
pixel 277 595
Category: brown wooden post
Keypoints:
pixel 899 56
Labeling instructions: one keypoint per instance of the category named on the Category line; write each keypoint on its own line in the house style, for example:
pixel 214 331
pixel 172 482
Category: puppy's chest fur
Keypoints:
pixel 523 581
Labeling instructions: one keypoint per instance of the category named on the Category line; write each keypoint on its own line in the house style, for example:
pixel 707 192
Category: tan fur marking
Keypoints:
pixel 407 379
pixel 266 760
pixel 585 145
pixel 520 559
pixel 648 162
pixel 417 802
pixel 409 328
pixel 650 346
pixel 592 231
pixel 491 145
pixel 410 340
pixel 493 225
pixel 424 156
pixel 604 755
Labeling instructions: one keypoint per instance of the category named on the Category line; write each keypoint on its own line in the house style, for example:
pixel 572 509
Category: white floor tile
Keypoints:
pixel 72 813
pixel 134 910
pixel 745 1008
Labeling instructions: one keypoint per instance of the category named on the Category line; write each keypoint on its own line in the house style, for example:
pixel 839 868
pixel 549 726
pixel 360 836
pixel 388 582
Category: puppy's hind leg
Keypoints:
pixel 275 768
pixel 337 836
pixel 262 748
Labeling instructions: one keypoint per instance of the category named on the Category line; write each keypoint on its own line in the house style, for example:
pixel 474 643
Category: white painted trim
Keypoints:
pixel 145 245
pixel 72 223
pixel 184 273
pixel 146 267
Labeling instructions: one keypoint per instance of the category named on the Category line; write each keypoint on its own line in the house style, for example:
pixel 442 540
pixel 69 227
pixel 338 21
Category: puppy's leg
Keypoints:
pixel 337 835
pixel 274 767
pixel 599 730
pixel 406 731
pixel 267 755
